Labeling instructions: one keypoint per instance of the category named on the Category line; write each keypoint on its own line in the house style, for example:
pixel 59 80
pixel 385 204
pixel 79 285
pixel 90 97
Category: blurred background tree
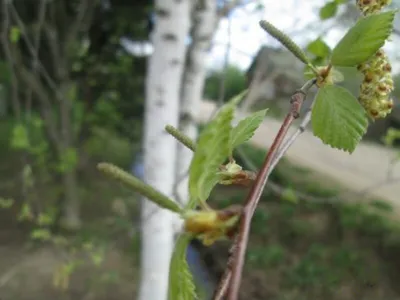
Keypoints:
pixel 235 82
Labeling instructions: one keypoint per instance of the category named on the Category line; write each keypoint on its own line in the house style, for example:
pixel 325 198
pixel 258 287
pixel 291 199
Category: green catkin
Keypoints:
pixel 377 84
pixel 285 40
pixel 140 187
pixel 181 137
pixel 369 7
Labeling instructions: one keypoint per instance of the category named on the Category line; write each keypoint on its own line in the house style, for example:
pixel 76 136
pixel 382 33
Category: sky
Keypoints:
pixel 246 37
pixel 243 37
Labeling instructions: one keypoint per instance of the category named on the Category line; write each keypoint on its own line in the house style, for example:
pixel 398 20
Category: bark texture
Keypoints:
pixel 163 84
pixel 204 20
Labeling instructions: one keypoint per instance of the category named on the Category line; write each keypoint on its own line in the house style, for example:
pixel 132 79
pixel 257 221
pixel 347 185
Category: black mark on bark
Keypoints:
pixel 175 62
pixel 160 103
pixel 162 13
pixel 186 117
pixel 170 37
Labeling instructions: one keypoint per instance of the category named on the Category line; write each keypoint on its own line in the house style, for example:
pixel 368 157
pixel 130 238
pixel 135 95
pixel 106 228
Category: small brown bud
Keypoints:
pixel 368 77
pixel 373 113
pixel 379 53
pixel 382 87
pixel 387 68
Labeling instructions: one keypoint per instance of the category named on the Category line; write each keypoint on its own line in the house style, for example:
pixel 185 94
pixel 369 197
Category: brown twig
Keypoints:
pixel 232 277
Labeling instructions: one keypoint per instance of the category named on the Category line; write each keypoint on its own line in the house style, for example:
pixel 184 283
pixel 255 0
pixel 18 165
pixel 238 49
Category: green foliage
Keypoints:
pixel 105 144
pixel 78 116
pixel 234 82
pixel 213 148
pixel 338 119
pixel 15 34
pixel 366 37
pixel 259 221
pixel 97 257
pixel 289 195
pixel 309 271
pixel 319 48
pixel 329 10
pixel 320 52
pixel 105 113
pixel 41 234
pixel 46 219
pixel 267 256
pixel 352 79
pixel 25 213
pixel 5 74
pixel 392 135
pixel 382 206
pixel 333 120
pixel 68 160
pixel 181 284
pixel 215 144
pixel 19 138
pixel 245 129
pixel 118 78
pixel 6 203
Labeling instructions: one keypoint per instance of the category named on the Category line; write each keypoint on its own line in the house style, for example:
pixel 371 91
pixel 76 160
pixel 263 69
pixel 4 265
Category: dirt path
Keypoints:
pixel 366 168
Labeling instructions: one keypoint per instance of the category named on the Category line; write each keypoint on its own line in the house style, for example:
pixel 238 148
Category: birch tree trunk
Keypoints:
pixel 163 84
pixel 204 20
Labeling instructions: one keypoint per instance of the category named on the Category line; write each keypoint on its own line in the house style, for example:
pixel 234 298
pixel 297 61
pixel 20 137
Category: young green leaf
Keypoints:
pixel 309 70
pixel 246 128
pixel 329 10
pixel 289 195
pixel 212 150
pixel 15 34
pixel 20 138
pixel 338 119
pixel 181 283
pixel 319 48
pixel 366 37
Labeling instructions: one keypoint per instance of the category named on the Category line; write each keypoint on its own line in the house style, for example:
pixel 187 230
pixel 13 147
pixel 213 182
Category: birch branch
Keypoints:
pixel 231 280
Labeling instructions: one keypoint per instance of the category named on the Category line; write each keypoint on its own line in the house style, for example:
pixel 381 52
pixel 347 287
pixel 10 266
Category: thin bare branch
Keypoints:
pixel 274 187
pixel 229 6
pixel 5 41
pixel 36 44
pixel 32 52
pixel 34 84
pixel 241 240
pixel 82 14
pixel 289 142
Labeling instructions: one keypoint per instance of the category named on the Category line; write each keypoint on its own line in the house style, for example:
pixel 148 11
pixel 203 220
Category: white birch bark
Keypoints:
pixel 204 20
pixel 163 84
